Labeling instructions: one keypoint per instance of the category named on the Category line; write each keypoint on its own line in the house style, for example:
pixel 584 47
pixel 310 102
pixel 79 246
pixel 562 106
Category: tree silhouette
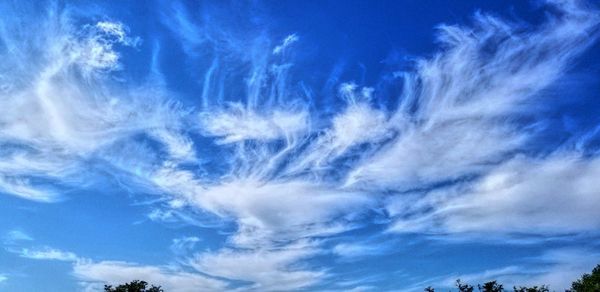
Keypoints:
pixel 134 286
pixel 588 282
pixel 491 286
pixel 463 287
pixel 543 288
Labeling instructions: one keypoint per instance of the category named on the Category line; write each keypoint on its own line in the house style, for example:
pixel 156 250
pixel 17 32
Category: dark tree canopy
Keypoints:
pixel 542 288
pixel 133 286
pixel 588 282
pixel 491 286
pixel 463 287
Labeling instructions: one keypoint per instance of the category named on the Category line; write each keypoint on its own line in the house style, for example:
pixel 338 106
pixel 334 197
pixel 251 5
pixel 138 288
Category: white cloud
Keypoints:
pixel 455 116
pixel 180 147
pixel 15 236
pixel 48 254
pixel 288 41
pixel 238 124
pixel 420 157
pixel 359 124
pixel 68 110
pixel 286 210
pixel 118 32
pixel 268 210
pixel 94 275
pixel 353 250
pixel 22 188
pixel 267 269
pixel 96 51
pixel 556 269
pixel 556 194
pixel 456 119
pixel 362 288
pixel 52 120
pixel 185 244
pixel 270 217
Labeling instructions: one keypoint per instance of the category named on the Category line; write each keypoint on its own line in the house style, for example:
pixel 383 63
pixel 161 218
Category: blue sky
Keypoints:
pixel 298 145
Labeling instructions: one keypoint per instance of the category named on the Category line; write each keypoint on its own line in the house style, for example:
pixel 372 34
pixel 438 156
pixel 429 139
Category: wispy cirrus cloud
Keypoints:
pixel 457 115
pixel 287 41
pixel 269 269
pixel 471 96
pixel 554 194
pixel 65 112
pixel 16 236
pixel 555 268
pixel 289 172
pixel 48 254
pixel 184 244
pixel 94 275
pixel 237 124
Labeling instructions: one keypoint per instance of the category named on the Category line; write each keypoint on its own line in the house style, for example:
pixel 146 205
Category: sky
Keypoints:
pixel 298 145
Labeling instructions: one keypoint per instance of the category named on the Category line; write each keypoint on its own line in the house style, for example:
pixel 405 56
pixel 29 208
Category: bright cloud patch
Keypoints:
pixel 94 275
pixel 48 254
pixel 521 195
pixel 238 124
